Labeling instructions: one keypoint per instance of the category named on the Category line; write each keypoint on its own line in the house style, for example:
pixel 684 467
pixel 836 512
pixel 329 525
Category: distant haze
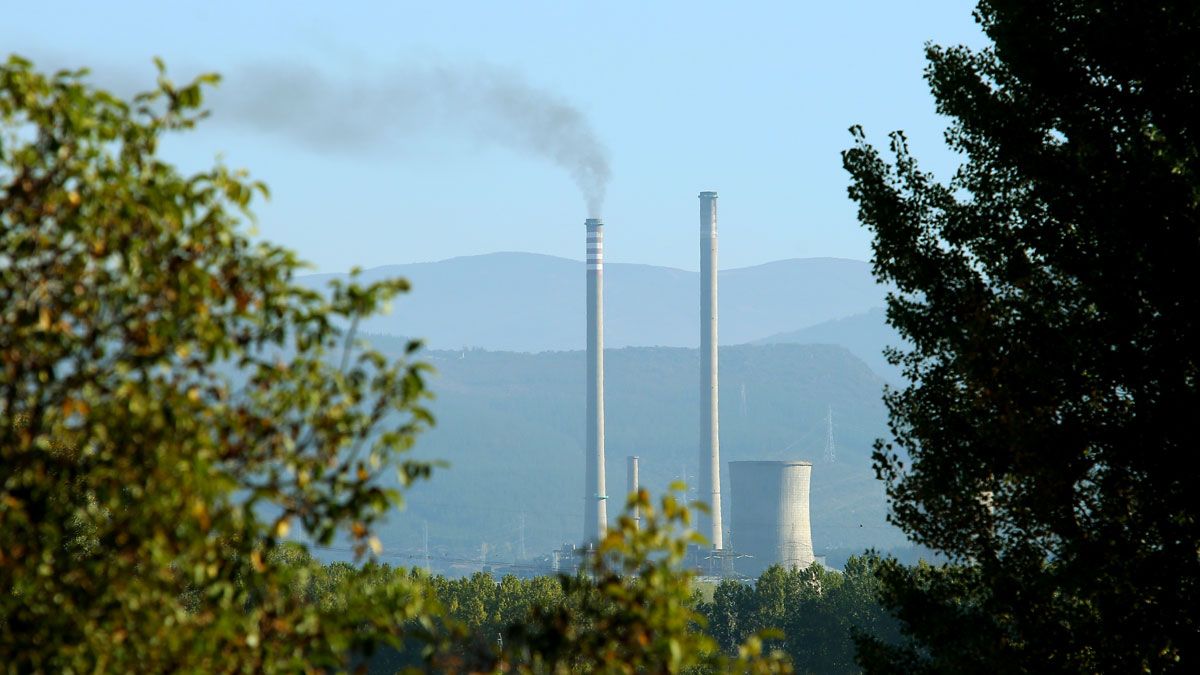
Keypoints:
pixel 530 303
pixel 865 335
pixel 512 428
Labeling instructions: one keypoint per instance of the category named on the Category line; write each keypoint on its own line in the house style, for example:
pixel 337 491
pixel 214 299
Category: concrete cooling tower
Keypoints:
pixel 770 514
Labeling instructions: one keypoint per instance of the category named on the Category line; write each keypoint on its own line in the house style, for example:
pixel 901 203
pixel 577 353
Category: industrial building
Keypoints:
pixel 770 499
pixel 770 514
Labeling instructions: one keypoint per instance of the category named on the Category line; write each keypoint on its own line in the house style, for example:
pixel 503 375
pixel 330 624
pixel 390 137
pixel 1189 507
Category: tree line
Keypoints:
pixel 813 616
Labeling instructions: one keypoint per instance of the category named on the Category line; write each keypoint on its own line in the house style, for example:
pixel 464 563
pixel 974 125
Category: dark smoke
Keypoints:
pixel 374 113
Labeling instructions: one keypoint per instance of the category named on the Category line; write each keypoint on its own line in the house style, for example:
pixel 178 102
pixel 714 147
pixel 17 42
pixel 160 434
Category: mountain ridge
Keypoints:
pixel 532 302
pixel 534 254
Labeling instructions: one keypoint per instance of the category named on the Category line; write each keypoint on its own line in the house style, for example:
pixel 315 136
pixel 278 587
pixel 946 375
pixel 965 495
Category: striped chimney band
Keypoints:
pixel 595 244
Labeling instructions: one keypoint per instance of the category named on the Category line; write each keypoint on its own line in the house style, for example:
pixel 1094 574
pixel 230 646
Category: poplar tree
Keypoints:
pixel 1044 441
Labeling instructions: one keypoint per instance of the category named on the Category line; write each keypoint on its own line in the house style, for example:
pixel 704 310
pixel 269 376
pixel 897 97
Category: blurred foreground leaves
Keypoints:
pixel 172 404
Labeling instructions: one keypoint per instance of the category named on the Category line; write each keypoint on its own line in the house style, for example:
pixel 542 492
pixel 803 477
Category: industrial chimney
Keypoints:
pixel 595 515
pixel 631 486
pixel 710 439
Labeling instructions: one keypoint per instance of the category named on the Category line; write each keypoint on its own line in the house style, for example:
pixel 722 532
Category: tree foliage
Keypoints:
pixel 817 613
pixel 811 616
pixel 1046 290
pixel 631 608
pixel 171 403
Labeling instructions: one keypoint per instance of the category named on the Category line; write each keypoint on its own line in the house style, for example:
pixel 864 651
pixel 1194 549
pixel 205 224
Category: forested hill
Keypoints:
pixel 511 426
pixel 529 303
pixel 865 335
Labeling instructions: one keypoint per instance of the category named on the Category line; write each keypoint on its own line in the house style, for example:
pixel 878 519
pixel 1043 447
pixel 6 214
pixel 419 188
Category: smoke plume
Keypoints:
pixel 379 112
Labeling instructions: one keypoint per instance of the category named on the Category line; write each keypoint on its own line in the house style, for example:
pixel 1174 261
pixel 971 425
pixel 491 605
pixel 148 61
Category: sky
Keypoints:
pixel 409 132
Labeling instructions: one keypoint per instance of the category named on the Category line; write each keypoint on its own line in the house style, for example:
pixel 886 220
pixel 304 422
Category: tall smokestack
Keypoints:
pixel 595 515
pixel 631 486
pixel 710 439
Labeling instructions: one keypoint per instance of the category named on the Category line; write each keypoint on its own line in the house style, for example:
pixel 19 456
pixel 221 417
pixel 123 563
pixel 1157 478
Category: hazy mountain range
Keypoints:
pixel 526 302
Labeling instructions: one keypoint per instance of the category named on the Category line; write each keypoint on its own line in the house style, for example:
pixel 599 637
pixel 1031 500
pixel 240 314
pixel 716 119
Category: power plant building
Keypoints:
pixel 770 515
pixel 769 507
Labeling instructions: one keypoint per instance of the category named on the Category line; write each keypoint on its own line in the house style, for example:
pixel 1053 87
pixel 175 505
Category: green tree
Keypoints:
pixel 730 615
pixel 171 403
pixel 831 611
pixel 1046 289
pixel 857 607
pixel 816 612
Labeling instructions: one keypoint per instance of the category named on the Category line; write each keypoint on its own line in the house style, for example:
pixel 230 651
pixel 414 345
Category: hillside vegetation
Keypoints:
pixel 866 335
pixel 511 427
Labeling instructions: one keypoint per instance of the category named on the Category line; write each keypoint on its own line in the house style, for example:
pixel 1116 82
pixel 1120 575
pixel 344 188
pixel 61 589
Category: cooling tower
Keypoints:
pixel 710 438
pixel 631 485
pixel 595 516
pixel 770 514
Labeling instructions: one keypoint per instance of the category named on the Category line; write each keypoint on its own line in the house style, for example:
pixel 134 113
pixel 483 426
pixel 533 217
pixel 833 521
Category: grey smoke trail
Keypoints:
pixel 377 112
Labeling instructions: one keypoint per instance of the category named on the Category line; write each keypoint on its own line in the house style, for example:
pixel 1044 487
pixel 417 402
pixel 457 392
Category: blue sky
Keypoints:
pixel 749 99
